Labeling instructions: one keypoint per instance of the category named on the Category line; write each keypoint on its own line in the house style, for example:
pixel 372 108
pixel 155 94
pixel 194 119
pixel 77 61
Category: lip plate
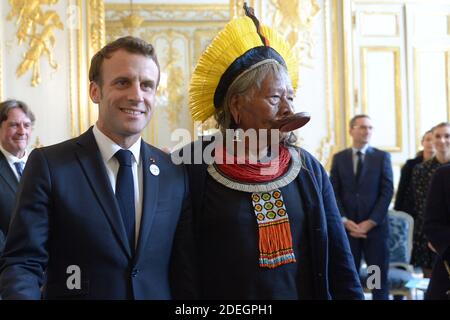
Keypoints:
pixel 294 122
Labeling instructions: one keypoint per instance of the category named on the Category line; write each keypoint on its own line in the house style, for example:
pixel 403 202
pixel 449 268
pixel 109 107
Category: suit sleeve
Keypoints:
pixel 402 188
pixel 25 255
pixel 336 183
pixel 183 265
pixel 437 214
pixel 2 242
pixel 344 280
pixel 386 192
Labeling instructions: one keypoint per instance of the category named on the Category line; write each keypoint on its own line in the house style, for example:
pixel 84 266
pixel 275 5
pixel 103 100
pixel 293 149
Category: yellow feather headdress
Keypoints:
pixel 230 53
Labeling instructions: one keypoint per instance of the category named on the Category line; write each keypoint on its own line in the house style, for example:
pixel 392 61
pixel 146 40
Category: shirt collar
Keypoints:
pixel 108 148
pixel 363 149
pixel 12 158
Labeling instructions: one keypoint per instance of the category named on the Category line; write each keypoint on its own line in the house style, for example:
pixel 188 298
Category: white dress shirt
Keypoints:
pixel 108 149
pixel 12 159
pixel 355 156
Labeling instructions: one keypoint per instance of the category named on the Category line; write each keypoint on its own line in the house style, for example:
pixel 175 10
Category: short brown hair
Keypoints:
pixel 358 116
pixel 7 105
pixel 440 125
pixel 129 44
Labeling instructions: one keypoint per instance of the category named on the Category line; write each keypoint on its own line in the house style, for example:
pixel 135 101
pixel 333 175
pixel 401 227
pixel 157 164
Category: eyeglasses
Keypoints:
pixel 363 127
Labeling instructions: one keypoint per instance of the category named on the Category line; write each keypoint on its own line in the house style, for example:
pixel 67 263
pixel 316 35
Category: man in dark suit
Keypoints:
pixel 16 122
pixel 104 215
pixel 437 230
pixel 362 180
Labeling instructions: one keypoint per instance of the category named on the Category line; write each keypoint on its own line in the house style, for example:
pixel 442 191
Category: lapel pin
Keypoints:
pixel 154 169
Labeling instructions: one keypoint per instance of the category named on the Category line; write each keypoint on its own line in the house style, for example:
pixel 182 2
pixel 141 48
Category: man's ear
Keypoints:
pixel 95 92
pixel 235 107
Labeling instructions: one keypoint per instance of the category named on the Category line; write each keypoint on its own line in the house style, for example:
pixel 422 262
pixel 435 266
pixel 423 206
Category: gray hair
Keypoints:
pixel 245 86
pixel 7 105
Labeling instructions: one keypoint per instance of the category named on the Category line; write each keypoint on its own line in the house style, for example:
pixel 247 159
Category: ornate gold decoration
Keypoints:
pixel 236 8
pixel 327 144
pixel 188 29
pixel 96 39
pixel 37 143
pixel 295 18
pixel 132 21
pixel 77 82
pixel 347 27
pixel 175 87
pixel 35 27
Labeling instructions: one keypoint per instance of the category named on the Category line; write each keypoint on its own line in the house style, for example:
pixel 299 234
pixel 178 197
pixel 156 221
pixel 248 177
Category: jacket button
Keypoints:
pixel 319 275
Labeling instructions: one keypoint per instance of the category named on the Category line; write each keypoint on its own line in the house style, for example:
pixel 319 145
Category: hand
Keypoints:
pixel 351 226
pixel 431 247
pixel 358 235
pixel 366 225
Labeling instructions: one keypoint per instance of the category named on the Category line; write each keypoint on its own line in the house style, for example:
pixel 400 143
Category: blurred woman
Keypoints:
pixel 422 256
pixel 437 230
pixel 404 200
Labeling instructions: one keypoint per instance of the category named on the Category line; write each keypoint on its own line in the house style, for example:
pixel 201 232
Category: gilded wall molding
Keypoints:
pixel 296 18
pixel 168 12
pixel 36 28
pixel 328 145
pixel 77 105
pixel 337 81
pixel 397 90
pixel 236 7
pixel 180 33
pixel 96 40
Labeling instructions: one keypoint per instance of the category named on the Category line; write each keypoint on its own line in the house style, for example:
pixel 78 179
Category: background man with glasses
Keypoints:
pixel 362 180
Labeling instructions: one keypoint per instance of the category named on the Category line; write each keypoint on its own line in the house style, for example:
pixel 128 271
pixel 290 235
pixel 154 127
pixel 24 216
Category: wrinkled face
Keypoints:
pixel 263 106
pixel 127 96
pixel 15 132
pixel 361 132
pixel 441 139
pixel 427 142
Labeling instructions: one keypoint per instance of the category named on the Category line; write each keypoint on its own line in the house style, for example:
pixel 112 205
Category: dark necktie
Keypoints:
pixel 19 168
pixel 125 194
pixel 359 164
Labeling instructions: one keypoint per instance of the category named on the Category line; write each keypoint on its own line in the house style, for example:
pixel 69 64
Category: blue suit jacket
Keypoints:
pixel 368 198
pixel 335 276
pixel 8 190
pixel 67 215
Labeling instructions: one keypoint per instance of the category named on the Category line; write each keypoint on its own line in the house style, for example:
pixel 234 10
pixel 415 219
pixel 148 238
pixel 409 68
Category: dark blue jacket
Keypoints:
pixel 67 215
pixel 334 271
pixel 437 230
pixel 8 190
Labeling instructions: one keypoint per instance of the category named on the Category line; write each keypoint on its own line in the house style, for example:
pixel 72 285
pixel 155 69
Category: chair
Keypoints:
pixel 401 227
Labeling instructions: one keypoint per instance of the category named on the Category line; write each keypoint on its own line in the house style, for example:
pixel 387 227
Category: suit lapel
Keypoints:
pixel 149 194
pixel 7 174
pixel 92 163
